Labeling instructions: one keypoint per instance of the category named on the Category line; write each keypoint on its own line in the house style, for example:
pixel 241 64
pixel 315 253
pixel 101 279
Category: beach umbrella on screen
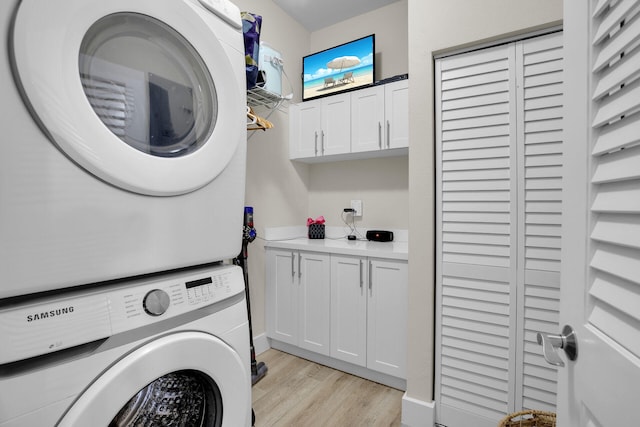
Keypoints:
pixel 343 62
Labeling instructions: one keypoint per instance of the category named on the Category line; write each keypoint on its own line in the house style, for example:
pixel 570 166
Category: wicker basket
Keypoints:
pixel 529 418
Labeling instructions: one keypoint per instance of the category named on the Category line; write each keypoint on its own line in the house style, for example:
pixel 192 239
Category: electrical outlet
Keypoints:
pixel 356 205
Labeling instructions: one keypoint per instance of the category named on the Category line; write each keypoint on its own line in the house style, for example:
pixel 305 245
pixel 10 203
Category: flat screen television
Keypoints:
pixel 341 68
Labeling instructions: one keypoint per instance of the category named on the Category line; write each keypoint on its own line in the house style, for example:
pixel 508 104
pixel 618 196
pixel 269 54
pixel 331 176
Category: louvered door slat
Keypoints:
pixel 619 166
pixel 621 134
pixel 496 74
pixel 489 185
pixel 476 122
pixel 450 343
pixel 612 291
pixel 483 109
pixel 613 77
pixel 543 148
pixel 627 70
pixel 459 66
pixel 549 100
pixel 618 230
pixel 621 197
pixel 618 105
pixel 543 137
pixel 608 25
pixel 479 153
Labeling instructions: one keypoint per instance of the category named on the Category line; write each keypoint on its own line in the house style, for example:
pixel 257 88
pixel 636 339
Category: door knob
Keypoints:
pixel 566 341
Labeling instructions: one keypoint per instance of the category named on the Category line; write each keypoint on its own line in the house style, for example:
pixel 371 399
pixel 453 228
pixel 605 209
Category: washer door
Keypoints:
pixel 183 379
pixel 141 94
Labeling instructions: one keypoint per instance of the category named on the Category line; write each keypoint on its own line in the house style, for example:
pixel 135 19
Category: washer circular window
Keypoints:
pixel 180 399
pixel 148 85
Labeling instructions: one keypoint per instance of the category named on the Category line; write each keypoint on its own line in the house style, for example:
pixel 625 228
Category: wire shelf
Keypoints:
pixel 259 97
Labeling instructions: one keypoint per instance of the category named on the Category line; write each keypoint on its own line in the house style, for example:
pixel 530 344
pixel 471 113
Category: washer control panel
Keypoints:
pixel 50 324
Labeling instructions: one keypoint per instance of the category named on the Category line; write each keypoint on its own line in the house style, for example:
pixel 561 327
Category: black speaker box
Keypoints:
pixel 380 235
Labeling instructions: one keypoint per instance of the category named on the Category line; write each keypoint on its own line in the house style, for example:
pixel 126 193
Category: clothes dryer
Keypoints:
pixel 167 350
pixel 123 139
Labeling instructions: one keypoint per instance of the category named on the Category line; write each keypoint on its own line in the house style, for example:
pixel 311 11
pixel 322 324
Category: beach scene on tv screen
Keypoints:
pixel 340 68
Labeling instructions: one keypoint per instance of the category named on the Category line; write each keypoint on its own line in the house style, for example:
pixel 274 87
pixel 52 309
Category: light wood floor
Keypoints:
pixel 297 392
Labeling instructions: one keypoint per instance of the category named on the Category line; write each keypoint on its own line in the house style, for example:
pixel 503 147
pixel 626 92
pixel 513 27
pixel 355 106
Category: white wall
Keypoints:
pixel 379 183
pixel 435 26
pixel 276 188
pixel 388 23
pixel 285 193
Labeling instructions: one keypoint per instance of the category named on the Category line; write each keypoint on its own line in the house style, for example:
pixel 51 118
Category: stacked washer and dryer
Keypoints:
pixel 121 198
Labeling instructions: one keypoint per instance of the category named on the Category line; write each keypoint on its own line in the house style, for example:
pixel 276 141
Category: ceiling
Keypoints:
pixel 317 14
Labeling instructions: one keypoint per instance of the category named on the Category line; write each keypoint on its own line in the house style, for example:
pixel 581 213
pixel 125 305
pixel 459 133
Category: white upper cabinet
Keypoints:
pixel 335 135
pixel 371 122
pixel 396 113
pixel 367 119
pixel 304 125
pixel 320 128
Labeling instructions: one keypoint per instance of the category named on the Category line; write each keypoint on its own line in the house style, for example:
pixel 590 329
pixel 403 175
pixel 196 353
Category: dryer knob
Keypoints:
pixel 156 302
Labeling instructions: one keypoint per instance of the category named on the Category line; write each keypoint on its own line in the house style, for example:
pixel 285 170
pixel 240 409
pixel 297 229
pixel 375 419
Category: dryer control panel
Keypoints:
pixel 46 325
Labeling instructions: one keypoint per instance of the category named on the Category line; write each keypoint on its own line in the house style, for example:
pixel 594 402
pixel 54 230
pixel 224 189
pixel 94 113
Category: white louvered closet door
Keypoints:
pixel 499 162
pixel 601 266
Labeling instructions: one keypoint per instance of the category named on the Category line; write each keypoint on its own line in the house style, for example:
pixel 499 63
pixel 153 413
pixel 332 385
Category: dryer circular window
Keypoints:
pixel 148 85
pixel 179 398
pixel 129 90
pixel 182 388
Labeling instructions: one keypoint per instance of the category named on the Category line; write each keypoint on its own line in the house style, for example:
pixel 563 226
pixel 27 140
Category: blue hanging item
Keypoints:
pixel 251 25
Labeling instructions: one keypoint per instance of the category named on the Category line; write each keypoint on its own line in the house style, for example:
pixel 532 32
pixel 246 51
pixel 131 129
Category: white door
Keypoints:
pixel 367 118
pixel 600 273
pixel 305 128
pixel 282 295
pixel 396 101
pixel 335 137
pixel 146 98
pixel 499 198
pixel 349 309
pixel 314 298
pixel 387 317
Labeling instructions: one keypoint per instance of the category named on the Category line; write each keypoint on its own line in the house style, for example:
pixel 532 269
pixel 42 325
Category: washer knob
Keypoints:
pixel 156 302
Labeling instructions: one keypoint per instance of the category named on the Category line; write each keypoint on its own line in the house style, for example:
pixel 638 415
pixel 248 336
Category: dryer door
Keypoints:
pixel 145 95
pixel 183 379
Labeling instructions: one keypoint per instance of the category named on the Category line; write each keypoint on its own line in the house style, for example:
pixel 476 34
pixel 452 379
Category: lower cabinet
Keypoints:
pixel 298 298
pixel 369 313
pixel 350 308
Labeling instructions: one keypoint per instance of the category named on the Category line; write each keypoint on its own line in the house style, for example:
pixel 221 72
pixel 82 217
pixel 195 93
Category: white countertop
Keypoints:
pixel 278 238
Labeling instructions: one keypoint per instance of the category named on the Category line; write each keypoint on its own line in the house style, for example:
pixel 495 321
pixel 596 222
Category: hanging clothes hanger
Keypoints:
pixel 256 122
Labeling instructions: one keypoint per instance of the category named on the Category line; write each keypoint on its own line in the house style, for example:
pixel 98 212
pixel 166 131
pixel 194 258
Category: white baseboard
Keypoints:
pixel 359 371
pixel 417 413
pixel 261 343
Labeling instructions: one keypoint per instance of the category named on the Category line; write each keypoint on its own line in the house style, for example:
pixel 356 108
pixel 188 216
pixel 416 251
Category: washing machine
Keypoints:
pixel 170 349
pixel 123 139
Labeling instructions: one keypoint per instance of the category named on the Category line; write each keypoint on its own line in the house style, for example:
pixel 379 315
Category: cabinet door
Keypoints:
pixel 313 302
pixel 349 309
pixel 367 119
pixel 387 317
pixel 335 136
pixel 396 125
pixel 282 296
pixel 305 129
